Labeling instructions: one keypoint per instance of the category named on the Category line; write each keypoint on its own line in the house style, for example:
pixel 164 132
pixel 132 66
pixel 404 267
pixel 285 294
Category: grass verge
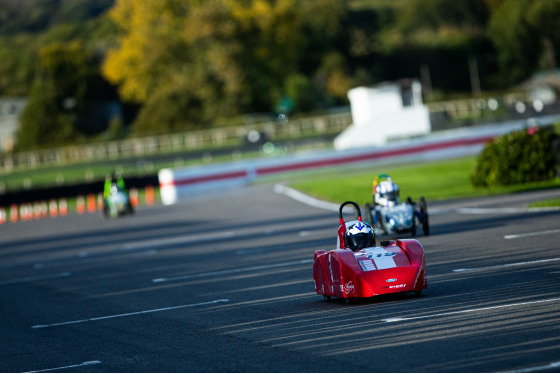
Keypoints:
pixel 546 203
pixel 448 179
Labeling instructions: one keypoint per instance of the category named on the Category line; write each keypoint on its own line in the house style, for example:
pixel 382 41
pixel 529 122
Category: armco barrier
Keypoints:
pixel 176 185
pixel 65 191
pixel 91 203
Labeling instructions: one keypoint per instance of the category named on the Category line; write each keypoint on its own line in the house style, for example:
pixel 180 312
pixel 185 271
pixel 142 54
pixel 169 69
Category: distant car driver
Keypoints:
pixel 386 193
pixel 359 235
pixel 113 184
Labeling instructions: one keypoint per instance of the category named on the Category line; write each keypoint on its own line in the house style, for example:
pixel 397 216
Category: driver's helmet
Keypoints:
pixel 114 188
pixel 359 235
pixel 387 193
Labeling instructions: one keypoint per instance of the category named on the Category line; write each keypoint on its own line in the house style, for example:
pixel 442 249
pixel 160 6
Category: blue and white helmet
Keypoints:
pixel 359 235
pixel 387 193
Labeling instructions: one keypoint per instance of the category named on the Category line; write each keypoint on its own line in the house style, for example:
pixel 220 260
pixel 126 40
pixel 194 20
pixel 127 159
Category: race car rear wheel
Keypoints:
pixel 379 224
pixel 424 214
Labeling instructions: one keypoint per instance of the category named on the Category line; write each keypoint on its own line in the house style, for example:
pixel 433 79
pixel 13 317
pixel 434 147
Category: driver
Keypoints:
pixel 113 183
pixel 387 193
pixel 359 235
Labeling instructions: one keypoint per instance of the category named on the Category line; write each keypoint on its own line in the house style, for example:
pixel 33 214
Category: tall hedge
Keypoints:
pixel 518 157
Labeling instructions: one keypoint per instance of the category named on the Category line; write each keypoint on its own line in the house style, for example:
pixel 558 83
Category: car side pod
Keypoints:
pixel 415 253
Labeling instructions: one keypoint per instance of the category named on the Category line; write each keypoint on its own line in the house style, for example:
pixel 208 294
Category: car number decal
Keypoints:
pixel 381 258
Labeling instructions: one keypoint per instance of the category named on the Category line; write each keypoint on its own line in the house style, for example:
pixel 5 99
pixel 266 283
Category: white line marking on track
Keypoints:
pixel 305 234
pixel 232 271
pixel 399 319
pixel 303 198
pixel 178 240
pixel 87 363
pixel 504 210
pixel 32 279
pixel 130 314
pixel 281 189
pixel 509 265
pixel 552 365
pixel 537 233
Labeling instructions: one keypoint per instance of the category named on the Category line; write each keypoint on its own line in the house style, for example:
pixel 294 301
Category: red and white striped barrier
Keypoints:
pixel 179 184
pixel 90 203
pixel 175 185
pixel 182 183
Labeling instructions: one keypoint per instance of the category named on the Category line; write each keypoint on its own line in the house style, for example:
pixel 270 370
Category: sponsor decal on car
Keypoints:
pixel 394 286
pixel 391 280
pixel 367 265
pixel 350 288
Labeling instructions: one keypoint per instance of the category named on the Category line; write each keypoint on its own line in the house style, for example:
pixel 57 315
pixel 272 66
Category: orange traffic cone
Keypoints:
pixel 44 209
pixel 37 210
pixel 13 213
pixel 29 211
pixel 26 212
pixel 100 202
pixel 63 207
pixel 91 203
pixel 149 195
pixel 134 197
pixel 53 208
pixel 80 205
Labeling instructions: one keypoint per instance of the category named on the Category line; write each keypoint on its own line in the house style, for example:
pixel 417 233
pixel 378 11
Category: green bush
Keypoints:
pixel 515 158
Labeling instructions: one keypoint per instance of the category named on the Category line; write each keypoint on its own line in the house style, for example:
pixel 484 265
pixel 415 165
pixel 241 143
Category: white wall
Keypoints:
pixel 379 115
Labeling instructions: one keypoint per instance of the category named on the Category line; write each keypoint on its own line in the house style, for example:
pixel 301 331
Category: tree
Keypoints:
pixel 44 123
pixel 523 32
pixel 225 57
pixel 56 99
pixel 189 55
pixel 17 69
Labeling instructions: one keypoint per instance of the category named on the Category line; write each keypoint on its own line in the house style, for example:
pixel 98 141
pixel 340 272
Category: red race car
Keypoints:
pixel 360 268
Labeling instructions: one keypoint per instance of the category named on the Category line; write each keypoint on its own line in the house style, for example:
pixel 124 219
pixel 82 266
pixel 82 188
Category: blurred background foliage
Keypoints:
pixel 516 158
pixel 192 64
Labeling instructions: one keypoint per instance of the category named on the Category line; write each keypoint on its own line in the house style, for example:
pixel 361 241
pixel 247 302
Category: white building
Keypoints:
pixel 383 112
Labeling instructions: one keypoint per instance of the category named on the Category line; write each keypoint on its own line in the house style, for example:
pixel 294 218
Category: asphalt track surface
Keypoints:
pixel 224 284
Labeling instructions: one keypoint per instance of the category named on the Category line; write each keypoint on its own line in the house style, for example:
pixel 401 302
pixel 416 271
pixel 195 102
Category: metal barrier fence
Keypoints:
pixel 179 142
pixel 226 136
pixel 475 107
